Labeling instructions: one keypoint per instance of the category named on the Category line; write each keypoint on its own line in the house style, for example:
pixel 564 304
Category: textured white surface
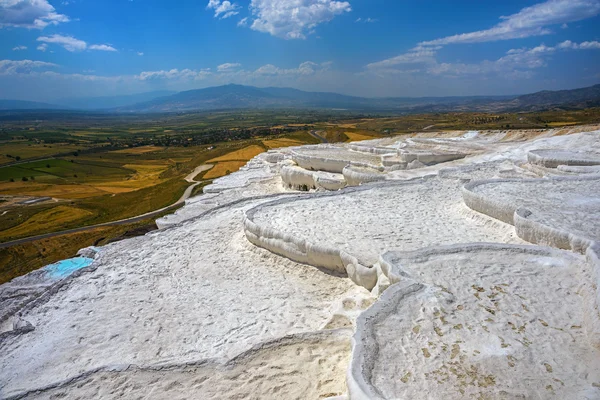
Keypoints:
pixel 487 321
pixel 197 293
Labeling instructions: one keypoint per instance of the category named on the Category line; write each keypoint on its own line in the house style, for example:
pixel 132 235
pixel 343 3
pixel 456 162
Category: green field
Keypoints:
pixel 57 170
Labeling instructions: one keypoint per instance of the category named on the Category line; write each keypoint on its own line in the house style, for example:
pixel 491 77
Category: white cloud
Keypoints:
pixel 530 21
pixel 243 22
pixel 294 19
pixel 516 63
pixel 29 14
pixel 18 48
pixel 306 68
pixel 366 20
pixel 567 44
pixel 139 53
pixel 227 67
pixel 223 9
pixel 231 72
pixel 417 55
pixel 185 74
pixel 102 47
pixel 12 67
pixel 68 42
pixel 71 44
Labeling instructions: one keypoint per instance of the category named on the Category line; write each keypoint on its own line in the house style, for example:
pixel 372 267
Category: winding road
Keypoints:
pixel 189 178
pixel 316 135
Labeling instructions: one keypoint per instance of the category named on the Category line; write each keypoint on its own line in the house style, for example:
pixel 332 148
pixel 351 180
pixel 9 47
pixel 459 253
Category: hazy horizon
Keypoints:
pixel 53 50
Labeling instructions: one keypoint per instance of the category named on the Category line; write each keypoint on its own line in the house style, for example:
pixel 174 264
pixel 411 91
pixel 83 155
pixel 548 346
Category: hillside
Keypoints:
pixel 249 97
pixel 577 98
pixel 105 102
pixel 231 97
pixel 26 105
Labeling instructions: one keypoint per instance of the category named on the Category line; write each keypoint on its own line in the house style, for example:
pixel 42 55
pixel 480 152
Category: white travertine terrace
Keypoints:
pixel 563 212
pixel 554 158
pixel 254 289
pixel 477 320
pixel 409 215
pixel 330 158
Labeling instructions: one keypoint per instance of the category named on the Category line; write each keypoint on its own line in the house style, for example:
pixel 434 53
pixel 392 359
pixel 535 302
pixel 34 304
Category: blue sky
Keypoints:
pixel 51 48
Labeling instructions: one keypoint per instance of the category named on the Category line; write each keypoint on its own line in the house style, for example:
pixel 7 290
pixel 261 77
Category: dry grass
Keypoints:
pixel 554 124
pixel 58 191
pixel 243 154
pixel 145 176
pixel 223 168
pixel 46 220
pixel 355 137
pixel 138 150
pixel 283 142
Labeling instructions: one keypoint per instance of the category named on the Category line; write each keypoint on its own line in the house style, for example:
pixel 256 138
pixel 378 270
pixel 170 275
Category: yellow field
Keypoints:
pixel 58 191
pixel 284 142
pixel 355 137
pixel 145 176
pixel 139 150
pixel 553 124
pixel 220 169
pixel 243 154
pixel 46 219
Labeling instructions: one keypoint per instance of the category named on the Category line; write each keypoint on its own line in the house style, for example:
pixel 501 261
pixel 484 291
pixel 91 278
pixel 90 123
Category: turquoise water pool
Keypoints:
pixel 64 268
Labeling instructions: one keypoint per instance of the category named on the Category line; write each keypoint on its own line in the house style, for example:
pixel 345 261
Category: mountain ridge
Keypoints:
pixel 232 96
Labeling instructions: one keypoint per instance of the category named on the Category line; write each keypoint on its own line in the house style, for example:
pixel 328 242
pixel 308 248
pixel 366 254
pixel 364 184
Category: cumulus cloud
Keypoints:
pixel 306 68
pixel 243 22
pixel 184 74
pixel 232 71
pixel 68 42
pixel 516 63
pixel 227 67
pixel 294 19
pixel 18 48
pixel 567 44
pixel 29 14
pixel 102 47
pixel 530 21
pixel 71 44
pixel 223 9
pixel 12 67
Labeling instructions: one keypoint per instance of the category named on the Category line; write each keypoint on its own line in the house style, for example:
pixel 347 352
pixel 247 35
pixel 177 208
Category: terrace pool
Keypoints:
pixel 65 268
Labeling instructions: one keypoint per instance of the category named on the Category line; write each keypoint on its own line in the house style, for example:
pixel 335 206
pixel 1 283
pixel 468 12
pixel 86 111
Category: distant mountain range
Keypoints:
pixel 108 102
pixel 27 105
pixel 248 97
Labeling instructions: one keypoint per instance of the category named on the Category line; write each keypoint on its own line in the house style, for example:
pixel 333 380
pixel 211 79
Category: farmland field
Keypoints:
pixel 76 170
